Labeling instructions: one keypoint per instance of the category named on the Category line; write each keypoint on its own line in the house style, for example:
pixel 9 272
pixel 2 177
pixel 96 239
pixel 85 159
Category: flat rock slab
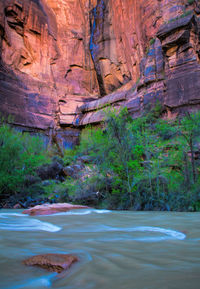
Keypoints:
pixel 49 209
pixel 52 262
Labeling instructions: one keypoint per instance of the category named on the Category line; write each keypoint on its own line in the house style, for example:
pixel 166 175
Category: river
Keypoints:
pixel 117 250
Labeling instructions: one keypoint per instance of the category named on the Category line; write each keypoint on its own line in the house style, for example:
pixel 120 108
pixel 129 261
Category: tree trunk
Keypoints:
pixel 192 160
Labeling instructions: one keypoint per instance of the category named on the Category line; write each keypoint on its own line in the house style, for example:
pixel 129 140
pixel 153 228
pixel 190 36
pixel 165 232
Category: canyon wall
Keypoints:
pixel 62 61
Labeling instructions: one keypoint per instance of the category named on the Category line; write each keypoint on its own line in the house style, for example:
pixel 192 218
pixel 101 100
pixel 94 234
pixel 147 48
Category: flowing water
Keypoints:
pixel 117 250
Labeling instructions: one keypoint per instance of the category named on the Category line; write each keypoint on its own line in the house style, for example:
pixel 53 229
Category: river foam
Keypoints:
pixel 24 223
pixel 41 282
pixel 7 215
pixel 80 212
pixel 166 234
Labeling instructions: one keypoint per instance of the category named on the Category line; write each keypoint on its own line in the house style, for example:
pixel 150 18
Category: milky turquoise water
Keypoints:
pixel 117 250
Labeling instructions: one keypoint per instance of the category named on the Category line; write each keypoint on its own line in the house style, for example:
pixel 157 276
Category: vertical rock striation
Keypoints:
pixel 152 46
pixel 62 61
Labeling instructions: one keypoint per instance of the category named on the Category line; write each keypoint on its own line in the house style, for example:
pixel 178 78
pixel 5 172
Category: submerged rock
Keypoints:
pixel 49 209
pixel 52 262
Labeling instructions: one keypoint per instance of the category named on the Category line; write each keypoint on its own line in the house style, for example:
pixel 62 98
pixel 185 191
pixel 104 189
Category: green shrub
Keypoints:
pixel 147 163
pixel 152 41
pixel 147 160
pixel 20 154
pixel 190 2
pixel 70 155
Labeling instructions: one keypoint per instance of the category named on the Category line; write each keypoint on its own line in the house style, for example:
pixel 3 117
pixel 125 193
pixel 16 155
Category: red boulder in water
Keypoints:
pixel 49 209
pixel 52 262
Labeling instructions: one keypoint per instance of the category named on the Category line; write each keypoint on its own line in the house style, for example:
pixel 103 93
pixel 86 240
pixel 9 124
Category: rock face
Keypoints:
pixel 52 262
pixel 62 61
pixel 49 209
pixel 45 62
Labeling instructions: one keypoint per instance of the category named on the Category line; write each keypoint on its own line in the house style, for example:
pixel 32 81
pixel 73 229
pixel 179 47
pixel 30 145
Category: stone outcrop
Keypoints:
pixel 52 262
pixel 45 62
pixel 49 209
pixel 62 62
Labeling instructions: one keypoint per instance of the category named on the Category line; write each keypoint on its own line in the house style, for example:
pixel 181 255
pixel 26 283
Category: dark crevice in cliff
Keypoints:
pixel 96 14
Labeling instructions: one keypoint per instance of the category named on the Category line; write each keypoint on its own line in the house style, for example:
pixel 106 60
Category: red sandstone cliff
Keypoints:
pixel 61 61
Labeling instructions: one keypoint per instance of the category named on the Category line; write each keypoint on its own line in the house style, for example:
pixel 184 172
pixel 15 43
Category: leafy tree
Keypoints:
pixel 146 159
pixel 189 129
pixel 20 154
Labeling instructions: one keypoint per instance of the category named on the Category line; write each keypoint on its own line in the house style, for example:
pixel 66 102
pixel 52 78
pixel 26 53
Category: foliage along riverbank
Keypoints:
pixel 144 164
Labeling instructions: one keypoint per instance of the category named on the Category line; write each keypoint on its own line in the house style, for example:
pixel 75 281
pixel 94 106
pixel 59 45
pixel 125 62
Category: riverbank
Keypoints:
pixel 149 164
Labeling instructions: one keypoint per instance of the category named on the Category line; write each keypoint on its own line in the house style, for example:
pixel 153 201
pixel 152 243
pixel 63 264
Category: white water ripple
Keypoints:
pixel 24 223
pixel 171 233
pixel 79 213
pixel 45 281
pixel 7 215
pixel 166 233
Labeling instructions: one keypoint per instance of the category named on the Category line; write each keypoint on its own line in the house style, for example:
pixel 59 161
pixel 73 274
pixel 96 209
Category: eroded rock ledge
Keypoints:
pixel 62 62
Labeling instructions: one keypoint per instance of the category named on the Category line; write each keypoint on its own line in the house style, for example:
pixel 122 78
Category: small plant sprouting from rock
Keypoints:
pixel 187 13
pixel 190 2
pixel 152 41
